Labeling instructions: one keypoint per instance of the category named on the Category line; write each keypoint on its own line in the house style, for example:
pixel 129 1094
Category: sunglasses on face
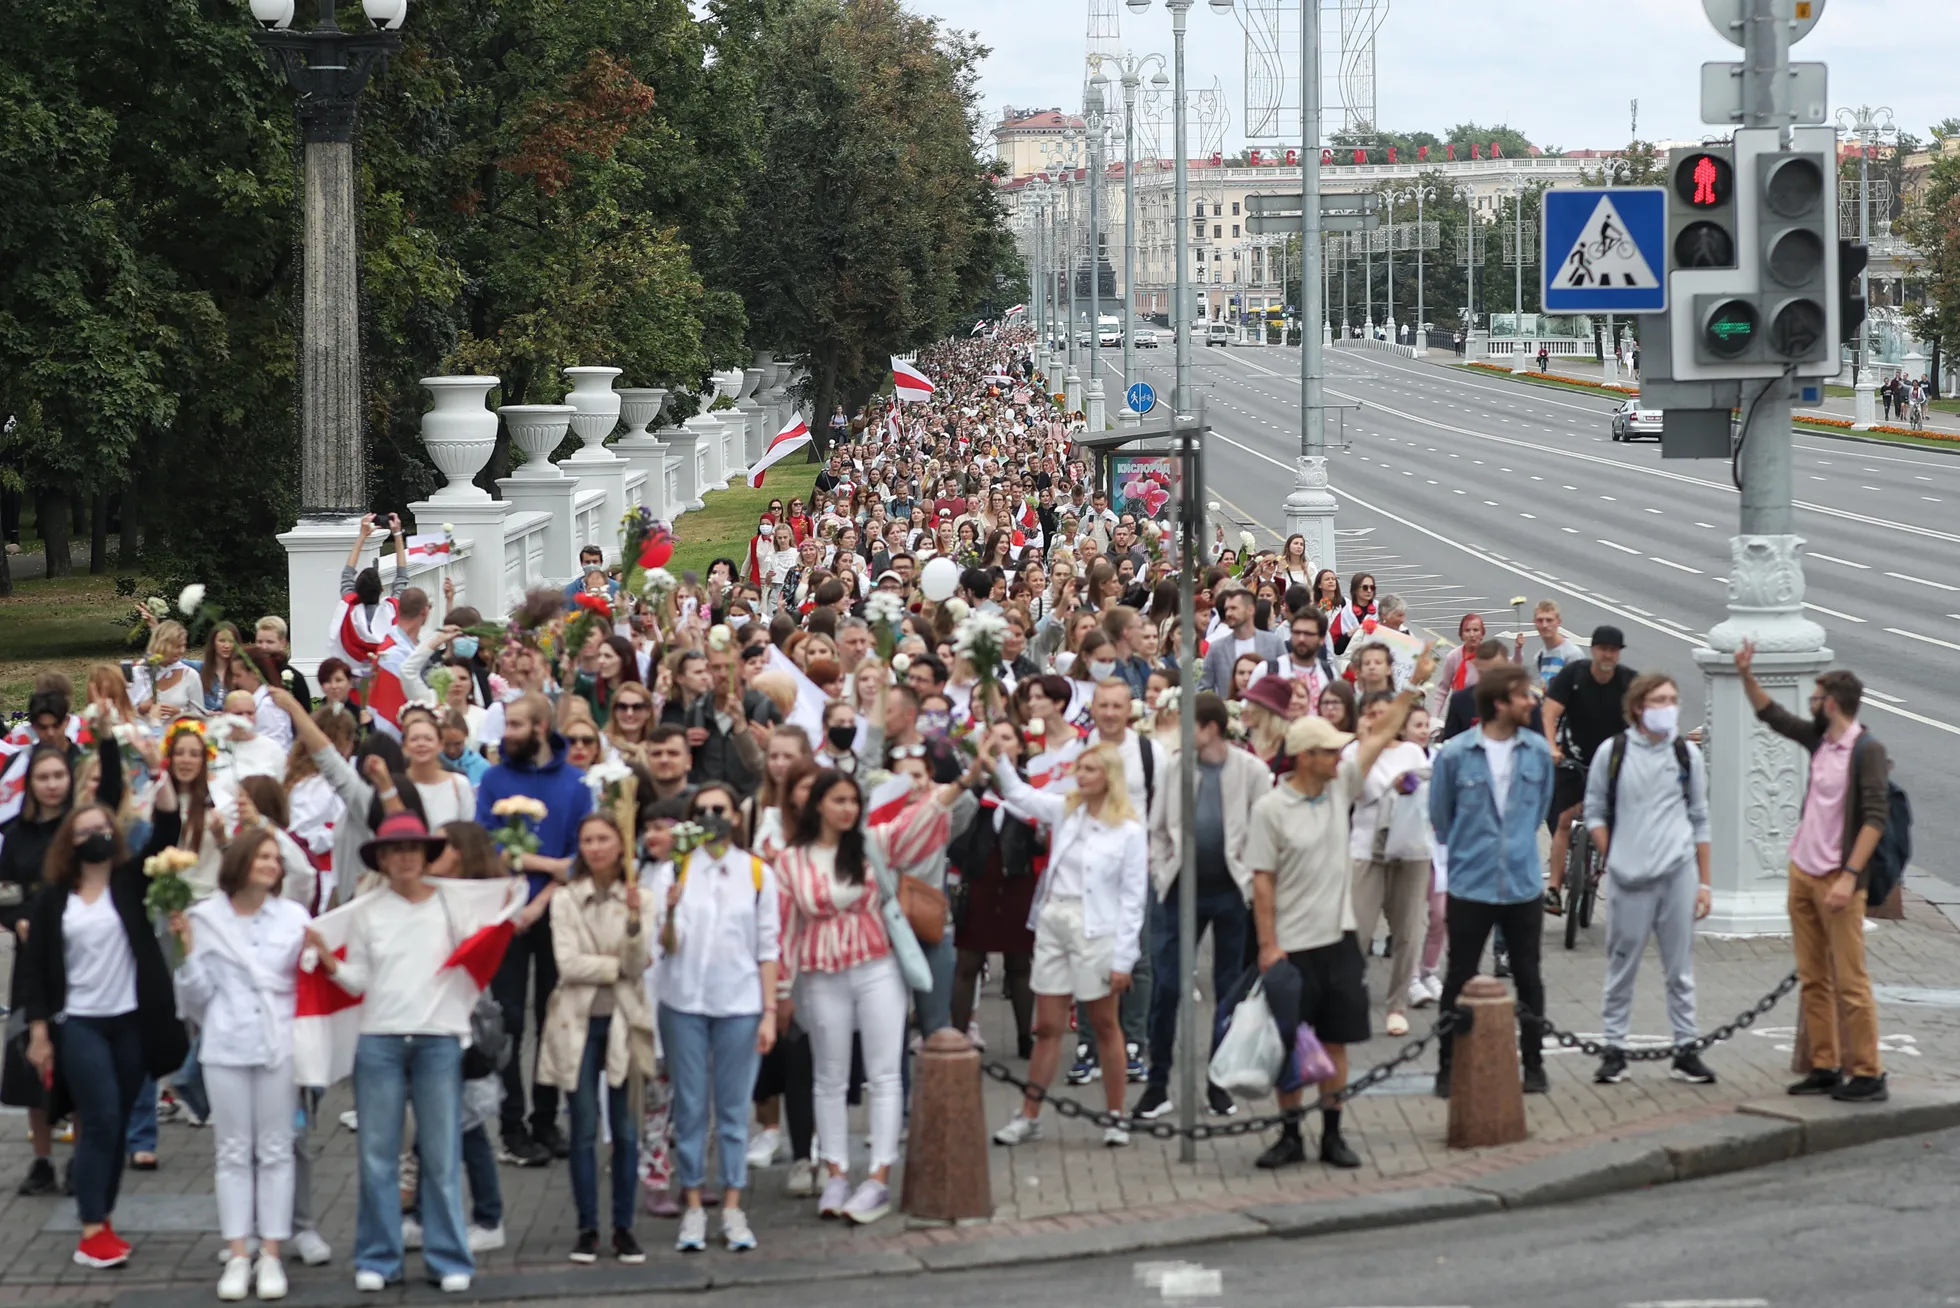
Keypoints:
pixel 582 740
pixel 907 751
pixel 630 706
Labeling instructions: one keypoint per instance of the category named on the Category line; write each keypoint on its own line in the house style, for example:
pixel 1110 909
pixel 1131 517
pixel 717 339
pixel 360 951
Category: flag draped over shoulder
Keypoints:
pixel 327 1019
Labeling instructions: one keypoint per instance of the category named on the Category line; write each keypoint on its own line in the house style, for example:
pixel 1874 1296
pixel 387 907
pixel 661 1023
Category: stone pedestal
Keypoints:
pixel 683 448
pixel 1310 508
pixel 735 428
pixel 315 550
pixel 1865 411
pixel 639 408
pixel 478 525
pixel 1072 390
pixel 1486 1090
pixel 596 408
pixel 1092 399
pixel 753 415
pixel 946 1169
pixel 1326 334
pixel 709 434
pixel 539 485
pixel 1126 418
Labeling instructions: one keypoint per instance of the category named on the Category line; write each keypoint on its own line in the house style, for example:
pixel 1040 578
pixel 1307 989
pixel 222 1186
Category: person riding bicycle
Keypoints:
pixel 1584 706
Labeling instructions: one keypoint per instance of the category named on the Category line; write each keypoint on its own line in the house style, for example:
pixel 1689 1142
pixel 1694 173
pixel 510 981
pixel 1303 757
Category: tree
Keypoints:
pixel 1933 227
pixel 1513 142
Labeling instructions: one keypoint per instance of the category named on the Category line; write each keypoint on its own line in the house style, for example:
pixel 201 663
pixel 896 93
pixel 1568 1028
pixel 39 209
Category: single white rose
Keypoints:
pixel 720 637
pixel 900 662
pixel 957 609
pixel 190 598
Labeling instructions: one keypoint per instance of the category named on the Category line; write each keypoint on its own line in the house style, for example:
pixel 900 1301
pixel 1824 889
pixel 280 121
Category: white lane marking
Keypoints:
pixel 1614 545
pixel 1612 498
pixel 1889 699
pixel 1833 612
pixel 1831 558
pixel 1699 1303
pixel 1527 515
pixel 1711 526
pixel 1913 635
pixel 1938 585
pixel 1653 510
pixel 1929 499
pixel 1669 563
pixel 1573 531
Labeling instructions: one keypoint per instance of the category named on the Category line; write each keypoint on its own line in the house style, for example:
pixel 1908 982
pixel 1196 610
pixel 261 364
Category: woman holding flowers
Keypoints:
pixel 93 960
pixel 163 684
pixel 241 953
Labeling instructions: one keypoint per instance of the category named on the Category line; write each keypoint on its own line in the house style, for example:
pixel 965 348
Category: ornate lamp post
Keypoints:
pixel 1131 76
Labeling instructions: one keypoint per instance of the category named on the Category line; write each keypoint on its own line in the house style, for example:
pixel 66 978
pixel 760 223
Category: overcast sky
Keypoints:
pixel 1560 71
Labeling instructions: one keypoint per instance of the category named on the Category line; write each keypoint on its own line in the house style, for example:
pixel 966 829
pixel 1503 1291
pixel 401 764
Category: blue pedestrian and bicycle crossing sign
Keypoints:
pixel 1142 399
pixel 1605 250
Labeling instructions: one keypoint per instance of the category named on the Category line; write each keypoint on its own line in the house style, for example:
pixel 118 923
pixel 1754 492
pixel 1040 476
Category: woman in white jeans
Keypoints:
pixel 1088 914
pixel 853 962
pixel 241 950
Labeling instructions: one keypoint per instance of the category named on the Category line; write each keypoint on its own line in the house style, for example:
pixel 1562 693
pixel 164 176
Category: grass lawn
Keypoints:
pixel 722 527
pixel 64 625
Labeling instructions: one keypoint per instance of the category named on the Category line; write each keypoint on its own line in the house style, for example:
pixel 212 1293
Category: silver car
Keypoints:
pixel 1144 338
pixel 1631 421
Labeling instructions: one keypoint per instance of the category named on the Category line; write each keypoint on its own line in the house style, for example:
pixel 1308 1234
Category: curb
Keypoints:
pixel 1756 1134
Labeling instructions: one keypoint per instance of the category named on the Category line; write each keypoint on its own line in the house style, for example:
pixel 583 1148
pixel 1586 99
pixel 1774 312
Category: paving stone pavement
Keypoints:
pixel 1069 1182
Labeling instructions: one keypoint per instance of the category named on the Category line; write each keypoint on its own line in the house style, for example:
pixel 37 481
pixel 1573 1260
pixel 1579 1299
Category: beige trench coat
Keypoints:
pixel 589 940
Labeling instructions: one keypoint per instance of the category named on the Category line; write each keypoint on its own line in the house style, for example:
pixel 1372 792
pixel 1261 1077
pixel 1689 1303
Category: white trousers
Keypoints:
pixel 252 1127
pixel 870 1000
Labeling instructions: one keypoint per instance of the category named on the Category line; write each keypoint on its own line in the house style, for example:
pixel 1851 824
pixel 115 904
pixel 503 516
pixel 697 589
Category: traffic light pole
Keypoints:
pixel 1756 780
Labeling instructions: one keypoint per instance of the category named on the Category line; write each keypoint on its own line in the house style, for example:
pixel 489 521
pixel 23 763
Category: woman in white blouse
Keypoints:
pixel 1086 919
pixel 241 948
pixel 715 973
pixel 446 796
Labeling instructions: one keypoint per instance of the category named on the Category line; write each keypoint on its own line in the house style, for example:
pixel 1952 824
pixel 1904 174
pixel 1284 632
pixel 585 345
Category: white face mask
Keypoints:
pixel 1660 719
pixel 1101 669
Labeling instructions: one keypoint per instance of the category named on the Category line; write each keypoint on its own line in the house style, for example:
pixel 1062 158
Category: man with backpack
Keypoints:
pixel 1847 808
pixel 1647 813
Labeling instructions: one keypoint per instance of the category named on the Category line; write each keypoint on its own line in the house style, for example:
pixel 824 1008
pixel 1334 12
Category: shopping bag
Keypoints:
pixel 1250 1056
pixel 1310 1058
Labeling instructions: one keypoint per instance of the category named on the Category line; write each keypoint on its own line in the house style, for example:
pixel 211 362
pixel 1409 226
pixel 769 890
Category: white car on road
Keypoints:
pixel 1631 421
pixel 1144 338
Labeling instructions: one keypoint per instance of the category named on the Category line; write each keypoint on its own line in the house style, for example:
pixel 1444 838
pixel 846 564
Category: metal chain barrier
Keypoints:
pixel 1743 1021
pixel 1374 1076
pixel 1162 1130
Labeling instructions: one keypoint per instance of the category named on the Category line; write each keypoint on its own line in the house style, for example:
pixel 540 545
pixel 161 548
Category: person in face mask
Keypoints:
pixel 1647 812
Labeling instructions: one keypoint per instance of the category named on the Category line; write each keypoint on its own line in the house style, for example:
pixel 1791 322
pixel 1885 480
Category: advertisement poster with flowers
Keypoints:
pixel 1143 484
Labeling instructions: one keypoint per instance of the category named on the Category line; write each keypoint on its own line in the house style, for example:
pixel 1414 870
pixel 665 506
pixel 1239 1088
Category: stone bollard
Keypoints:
pixel 1486 1092
pixel 946 1175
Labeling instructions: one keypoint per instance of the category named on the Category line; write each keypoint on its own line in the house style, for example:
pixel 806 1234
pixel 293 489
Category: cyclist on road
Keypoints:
pixel 1647 814
pixel 1588 700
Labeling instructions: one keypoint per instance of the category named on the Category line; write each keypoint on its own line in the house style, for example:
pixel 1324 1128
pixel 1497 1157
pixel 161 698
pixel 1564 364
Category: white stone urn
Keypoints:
pixel 766 360
pixel 751 384
pixel 639 408
pixel 460 433
pixel 595 406
pixel 537 430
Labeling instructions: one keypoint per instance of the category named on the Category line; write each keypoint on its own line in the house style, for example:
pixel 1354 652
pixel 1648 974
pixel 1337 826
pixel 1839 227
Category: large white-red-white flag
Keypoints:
pixel 908 383
pixel 785 443
pixel 327 1019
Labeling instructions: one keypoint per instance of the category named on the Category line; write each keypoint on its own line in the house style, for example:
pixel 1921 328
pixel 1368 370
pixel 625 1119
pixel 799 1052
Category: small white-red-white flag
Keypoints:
pixel 978 327
pixel 1016 310
pixel 787 441
pixel 908 383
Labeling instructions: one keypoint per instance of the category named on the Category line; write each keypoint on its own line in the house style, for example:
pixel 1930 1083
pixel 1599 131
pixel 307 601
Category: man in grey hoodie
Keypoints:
pixel 1647 812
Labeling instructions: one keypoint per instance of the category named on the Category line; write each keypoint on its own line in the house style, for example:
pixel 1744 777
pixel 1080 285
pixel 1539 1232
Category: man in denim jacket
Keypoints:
pixel 1489 790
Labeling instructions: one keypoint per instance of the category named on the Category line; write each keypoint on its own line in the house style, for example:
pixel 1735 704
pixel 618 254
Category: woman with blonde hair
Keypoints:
pixel 163 684
pixel 1088 913
pixel 627 725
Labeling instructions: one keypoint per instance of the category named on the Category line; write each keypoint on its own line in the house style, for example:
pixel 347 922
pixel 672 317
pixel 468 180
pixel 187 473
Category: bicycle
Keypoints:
pixel 1582 872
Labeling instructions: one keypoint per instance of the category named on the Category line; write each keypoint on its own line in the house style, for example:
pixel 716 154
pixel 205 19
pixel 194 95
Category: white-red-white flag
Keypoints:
pixel 786 442
pixel 1016 311
pixel 908 383
pixel 978 327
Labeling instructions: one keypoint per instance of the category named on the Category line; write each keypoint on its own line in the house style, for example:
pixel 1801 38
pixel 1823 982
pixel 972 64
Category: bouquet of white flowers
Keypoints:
pixel 978 639
pixel 885 612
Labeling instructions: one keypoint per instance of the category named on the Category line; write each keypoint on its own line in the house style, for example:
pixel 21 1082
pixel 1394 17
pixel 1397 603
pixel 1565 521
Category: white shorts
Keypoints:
pixel 1066 960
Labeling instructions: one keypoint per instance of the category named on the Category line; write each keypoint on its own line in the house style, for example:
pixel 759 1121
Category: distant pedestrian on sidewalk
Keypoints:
pixel 1845 809
pixel 1647 813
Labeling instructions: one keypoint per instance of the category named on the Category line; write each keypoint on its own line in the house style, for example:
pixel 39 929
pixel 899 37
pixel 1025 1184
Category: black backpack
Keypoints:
pixel 1888 862
pixel 1618 756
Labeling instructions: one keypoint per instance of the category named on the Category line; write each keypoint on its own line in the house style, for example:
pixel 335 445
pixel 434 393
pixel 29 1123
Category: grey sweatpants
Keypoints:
pixel 1664 909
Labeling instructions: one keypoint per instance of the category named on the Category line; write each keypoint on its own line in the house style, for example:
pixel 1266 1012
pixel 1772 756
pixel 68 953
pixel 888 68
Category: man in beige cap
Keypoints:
pixel 1303 906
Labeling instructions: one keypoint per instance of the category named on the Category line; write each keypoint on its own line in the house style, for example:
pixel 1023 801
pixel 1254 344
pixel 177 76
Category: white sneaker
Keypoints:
pixel 456 1283
pixel 351 1120
pixel 411 1233
pixel 483 1239
pixel 973 1036
pixel 1419 996
pixel 735 1232
pixel 368 1282
pixel 764 1147
pixel 237 1279
pixel 270 1282
pixel 1019 1130
pixel 311 1248
pixel 1434 984
pixel 802 1181
pixel 693 1237
pixel 1116 1136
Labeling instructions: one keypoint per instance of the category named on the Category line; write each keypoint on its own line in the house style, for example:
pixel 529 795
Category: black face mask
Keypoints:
pixel 841 737
pixel 96 847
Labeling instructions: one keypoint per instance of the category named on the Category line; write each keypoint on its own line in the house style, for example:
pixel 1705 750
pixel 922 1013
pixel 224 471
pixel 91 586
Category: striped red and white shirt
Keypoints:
pixel 832 927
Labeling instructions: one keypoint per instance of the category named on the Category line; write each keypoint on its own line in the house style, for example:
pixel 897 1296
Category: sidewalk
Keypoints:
pixel 1067 1194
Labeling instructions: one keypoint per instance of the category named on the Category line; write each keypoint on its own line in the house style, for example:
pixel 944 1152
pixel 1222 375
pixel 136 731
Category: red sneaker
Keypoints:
pixel 103 1249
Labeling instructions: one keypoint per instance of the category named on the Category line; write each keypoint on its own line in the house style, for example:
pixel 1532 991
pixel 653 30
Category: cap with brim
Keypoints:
pixel 1315 733
pixel 1271 692
pixel 889 575
pixel 1610 637
pixel 401 829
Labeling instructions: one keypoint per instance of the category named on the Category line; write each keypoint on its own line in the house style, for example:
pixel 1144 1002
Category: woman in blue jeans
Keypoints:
pixel 100 1008
pixel 415 1015
pixel 598 1027
pixel 716 978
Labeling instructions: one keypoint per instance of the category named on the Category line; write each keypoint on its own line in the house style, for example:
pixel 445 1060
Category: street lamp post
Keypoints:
pixel 1419 194
pixel 1132 68
pixel 1865 125
pixel 1388 324
pixel 329 69
pixel 1093 118
pixel 1067 153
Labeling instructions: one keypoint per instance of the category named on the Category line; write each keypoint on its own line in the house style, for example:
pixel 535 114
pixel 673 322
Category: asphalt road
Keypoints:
pixel 1461 491
pixel 1867 1228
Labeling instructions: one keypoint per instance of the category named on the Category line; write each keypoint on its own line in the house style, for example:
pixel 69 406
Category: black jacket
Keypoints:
pixel 41 982
pixel 26 839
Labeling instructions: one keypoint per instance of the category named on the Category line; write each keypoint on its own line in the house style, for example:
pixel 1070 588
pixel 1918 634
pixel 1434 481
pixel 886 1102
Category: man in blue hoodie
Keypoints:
pixel 532 763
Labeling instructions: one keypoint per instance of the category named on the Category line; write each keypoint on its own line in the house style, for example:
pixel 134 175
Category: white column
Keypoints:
pixel 682 465
pixel 753 415
pixel 1093 401
pixel 596 408
pixel 540 486
pixel 1865 412
pixel 707 429
pixel 642 450
pixel 1309 510
pixel 1072 389
pixel 315 550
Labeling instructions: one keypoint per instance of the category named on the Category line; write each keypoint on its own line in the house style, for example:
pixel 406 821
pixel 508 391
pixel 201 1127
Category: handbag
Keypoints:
pixel 924 909
pixel 20 1085
pixel 1248 1060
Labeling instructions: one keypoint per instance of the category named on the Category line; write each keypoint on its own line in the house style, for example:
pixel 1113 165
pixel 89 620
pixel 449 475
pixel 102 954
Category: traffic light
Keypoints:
pixel 1701 212
pixel 1852 258
pixel 1796 233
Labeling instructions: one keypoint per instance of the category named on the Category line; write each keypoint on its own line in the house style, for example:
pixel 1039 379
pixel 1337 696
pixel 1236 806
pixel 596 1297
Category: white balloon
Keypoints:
pixel 940 579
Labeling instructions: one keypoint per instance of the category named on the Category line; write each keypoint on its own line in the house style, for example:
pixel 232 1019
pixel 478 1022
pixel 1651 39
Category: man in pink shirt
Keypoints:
pixel 1844 815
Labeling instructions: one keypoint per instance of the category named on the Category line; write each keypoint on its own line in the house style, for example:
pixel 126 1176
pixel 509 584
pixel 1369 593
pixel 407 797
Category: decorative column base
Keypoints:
pixel 683 448
pixel 1310 508
pixel 557 498
pixel 1326 334
pixel 480 527
pixel 598 467
pixel 647 453
pixel 1127 418
pixel 1093 405
pixel 1865 412
pixel 315 550
pixel 707 452
pixel 735 428
pixel 1072 390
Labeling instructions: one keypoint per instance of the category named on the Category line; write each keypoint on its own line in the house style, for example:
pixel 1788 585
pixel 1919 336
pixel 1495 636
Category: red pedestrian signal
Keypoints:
pixel 1704 181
